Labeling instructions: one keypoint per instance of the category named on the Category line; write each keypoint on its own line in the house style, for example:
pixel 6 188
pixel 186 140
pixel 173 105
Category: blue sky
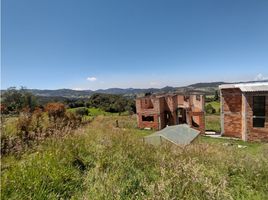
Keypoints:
pixel 86 44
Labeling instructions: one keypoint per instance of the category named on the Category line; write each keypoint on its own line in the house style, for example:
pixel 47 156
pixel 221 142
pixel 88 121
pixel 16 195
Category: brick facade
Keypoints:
pixel 253 133
pixel 159 111
pixel 237 115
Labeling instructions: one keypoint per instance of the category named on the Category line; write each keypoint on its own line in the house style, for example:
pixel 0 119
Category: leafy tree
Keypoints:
pixel 15 100
pixel 111 103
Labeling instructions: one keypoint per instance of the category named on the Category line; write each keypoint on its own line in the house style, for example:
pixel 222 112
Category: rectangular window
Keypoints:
pixel 197 97
pixel 147 118
pixel 258 111
pixel 186 98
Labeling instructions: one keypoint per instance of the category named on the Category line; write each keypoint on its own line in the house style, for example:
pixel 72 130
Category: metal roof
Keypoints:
pixel 178 134
pixel 248 87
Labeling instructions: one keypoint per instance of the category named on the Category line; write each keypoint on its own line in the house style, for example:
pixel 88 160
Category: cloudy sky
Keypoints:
pixel 84 44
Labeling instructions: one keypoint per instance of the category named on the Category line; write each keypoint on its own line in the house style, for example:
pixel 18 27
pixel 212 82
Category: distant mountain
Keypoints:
pixel 208 88
pixel 202 85
pixel 62 92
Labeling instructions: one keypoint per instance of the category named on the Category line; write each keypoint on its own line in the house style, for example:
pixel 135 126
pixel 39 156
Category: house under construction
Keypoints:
pixel 159 111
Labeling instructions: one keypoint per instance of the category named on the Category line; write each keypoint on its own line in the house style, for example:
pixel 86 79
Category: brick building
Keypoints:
pixel 244 111
pixel 158 111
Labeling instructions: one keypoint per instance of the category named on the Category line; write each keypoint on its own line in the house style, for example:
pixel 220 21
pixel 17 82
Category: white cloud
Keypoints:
pixel 77 88
pixel 154 83
pixel 92 79
pixel 260 77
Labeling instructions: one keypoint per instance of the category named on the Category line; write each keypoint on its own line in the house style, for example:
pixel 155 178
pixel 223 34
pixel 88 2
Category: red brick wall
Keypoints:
pixel 145 124
pixel 199 118
pixel 232 106
pixel 253 133
pixel 160 107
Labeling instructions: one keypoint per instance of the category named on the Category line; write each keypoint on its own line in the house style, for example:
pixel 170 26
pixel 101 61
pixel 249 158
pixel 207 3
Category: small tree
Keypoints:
pixel 216 96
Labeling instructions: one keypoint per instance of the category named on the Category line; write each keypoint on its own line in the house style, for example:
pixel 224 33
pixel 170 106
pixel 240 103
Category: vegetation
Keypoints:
pixel 111 103
pixel 31 127
pixel 13 101
pixel 46 154
pixel 209 109
pixel 213 116
pixel 213 123
pixel 102 161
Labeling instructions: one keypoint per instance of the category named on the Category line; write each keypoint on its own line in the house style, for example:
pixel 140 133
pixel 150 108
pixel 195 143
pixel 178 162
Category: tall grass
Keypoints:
pixel 102 161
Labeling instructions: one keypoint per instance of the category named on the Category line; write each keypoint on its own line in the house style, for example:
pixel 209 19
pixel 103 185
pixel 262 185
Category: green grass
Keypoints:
pixel 8 126
pixel 102 161
pixel 215 105
pixel 97 112
pixel 254 148
pixel 213 120
pixel 213 123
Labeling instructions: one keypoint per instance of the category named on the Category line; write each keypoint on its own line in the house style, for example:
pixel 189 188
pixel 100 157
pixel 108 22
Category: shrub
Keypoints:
pixel 55 110
pixel 209 109
pixel 24 124
pixel 81 111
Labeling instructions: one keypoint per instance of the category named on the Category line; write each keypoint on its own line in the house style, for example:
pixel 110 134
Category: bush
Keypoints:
pixel 55 110
pixel 209 109
pixel 33 127
pixel 81 111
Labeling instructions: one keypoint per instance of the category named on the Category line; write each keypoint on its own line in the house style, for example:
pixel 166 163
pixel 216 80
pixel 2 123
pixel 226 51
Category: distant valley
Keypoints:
pixel 207 88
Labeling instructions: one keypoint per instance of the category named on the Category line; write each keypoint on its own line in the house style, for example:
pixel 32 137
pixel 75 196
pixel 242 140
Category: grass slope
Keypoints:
pixel 104 162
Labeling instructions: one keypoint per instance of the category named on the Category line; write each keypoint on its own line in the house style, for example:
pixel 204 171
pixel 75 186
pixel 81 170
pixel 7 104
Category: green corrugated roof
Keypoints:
pixel 178 134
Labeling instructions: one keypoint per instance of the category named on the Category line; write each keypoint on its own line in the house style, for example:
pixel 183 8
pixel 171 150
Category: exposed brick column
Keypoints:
pixel 202 125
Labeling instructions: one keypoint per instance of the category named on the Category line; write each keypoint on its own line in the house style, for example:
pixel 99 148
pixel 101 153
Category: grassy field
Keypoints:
pixel 215 105
pixel 213 123
pixel 213 120
pixel 101 161
pixel 97 112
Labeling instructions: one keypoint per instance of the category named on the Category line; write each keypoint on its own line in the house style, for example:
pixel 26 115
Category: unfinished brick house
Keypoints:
pixel 244 111
pixel 159 111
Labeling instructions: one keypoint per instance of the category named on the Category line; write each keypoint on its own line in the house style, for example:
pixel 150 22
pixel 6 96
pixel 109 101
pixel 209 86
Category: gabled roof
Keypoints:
pixel 247 87
pixel 178 134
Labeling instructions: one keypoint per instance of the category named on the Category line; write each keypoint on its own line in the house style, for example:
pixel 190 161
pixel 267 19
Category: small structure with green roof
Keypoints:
pixel 179 134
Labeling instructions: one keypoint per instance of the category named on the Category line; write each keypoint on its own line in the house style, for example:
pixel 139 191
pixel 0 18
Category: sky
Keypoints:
pixel 93 44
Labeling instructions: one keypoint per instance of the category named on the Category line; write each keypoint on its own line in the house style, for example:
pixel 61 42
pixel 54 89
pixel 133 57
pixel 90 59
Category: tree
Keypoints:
pixel 15 100
pixel 111 103
pixel 216 96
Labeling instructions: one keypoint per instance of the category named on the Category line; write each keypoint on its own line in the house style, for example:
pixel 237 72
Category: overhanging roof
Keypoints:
pixel 248 87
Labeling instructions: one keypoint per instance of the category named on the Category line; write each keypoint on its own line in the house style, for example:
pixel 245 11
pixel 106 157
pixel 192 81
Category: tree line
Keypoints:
pixel 14 100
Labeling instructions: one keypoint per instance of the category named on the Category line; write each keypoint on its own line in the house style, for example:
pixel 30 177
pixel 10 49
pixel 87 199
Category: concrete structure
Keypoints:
pixel 159 111
pixel 244 111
